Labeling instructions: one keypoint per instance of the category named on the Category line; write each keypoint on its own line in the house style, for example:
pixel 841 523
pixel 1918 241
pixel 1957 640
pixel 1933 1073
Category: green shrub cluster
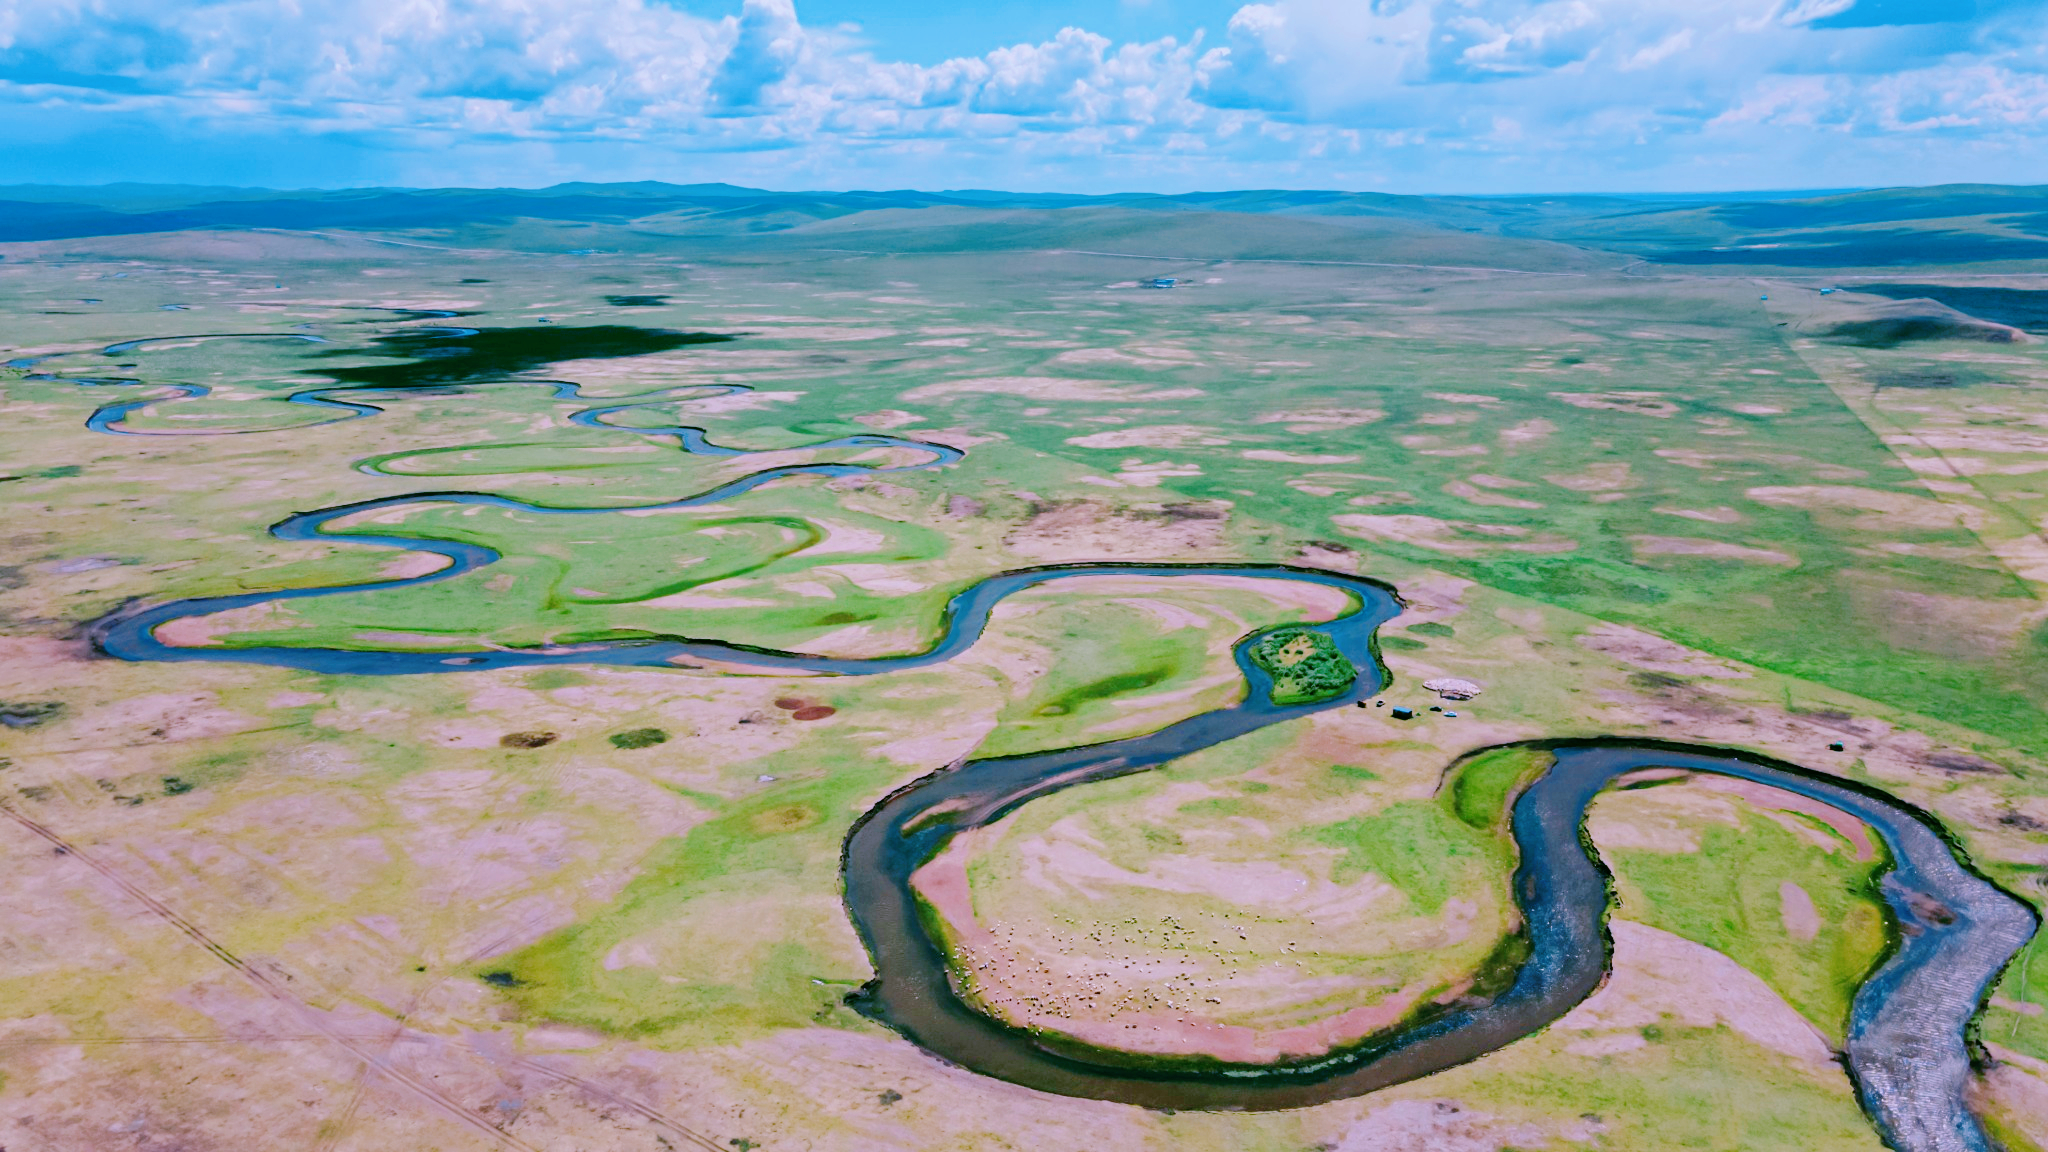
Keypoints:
pixel 1305 665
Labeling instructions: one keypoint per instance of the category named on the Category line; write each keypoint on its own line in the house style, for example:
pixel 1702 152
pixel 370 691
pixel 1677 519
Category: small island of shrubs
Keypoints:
pixel 1305 665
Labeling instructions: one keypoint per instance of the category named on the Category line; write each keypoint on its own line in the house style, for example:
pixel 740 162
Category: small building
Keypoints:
pixel 1403 713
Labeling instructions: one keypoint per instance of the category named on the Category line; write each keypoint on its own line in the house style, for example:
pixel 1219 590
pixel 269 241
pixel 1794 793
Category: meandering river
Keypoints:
pixel 1907 1047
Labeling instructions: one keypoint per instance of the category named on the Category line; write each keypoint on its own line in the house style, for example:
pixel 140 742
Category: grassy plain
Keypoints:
pixel 1641 504
pixel 1778 890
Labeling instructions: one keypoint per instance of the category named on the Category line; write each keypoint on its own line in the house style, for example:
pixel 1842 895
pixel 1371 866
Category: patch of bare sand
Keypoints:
pixel 1639 403
pixel 1849 828
pixel 1880 510
pixel 1472 494
pixel 160 717
pixel 1608 477
pixel 860 640
pixel 206 631
pixel 1327 555
pixel 1138 473
pixel 888 418
pixel 1656 654
pixel 459 856
pixel 410 639
pixel 1440 1126
pixel 637 373
pixel 830 333
pixel 1124 359
pixel 1922 767
pixel 1277 457
pixel 1721 515
pixel 881 579
pixel 1308 421
pixel 2016 1088
pixel 1315 601
pixel 1091 530
pixel 696 598
pixel 1068 859
pixel 414 564
pixel 837 1075
pixel 1527 431
pixel 1962 626
pixel 1707 549
pixel 1796 912
pixel 1462 538
pixel 1047 388
pixel 1153 436
pixel 1658 976
pixel 959 438
pixel 1169 616
pixel 1996 440
pixel 1666 819
pixel 937 749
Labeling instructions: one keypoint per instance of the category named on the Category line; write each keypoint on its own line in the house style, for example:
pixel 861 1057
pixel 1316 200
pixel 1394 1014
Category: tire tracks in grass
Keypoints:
pixel 269 985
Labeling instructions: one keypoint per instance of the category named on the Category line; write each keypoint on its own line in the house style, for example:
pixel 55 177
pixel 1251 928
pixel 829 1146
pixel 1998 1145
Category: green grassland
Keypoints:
pixel 1110 668
pixel 1663 451
pixel 1727 895
pixel 568 578
pixel 771 862
pixel 1642 509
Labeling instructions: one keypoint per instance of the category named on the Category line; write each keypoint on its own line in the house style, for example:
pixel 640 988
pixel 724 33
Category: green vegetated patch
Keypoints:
pixel 718 936
pixel 1103 652
pixel 1697 1089
pixel 2024 984
pixel 1732 896
pixel 1305 665
pixel 2004 1128
pixel 1664 461
pixel 1480 790
pixel 638 738
pixel 1099 655
pixel 29 713
pixel 1418 847
pixel 569 578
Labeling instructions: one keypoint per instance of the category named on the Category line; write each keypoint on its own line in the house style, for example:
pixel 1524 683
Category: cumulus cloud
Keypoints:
pixel 1616 72
pixel 1299 91
pixel 766 50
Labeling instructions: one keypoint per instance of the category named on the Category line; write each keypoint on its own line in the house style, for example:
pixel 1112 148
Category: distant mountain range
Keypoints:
pixel 1951 224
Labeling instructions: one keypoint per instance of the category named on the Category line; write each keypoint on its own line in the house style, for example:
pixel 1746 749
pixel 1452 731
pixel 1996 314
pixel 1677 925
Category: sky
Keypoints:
pixel 1423 96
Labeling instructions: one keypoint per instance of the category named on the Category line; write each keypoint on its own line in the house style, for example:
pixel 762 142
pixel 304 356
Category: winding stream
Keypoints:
pixel 1907 1047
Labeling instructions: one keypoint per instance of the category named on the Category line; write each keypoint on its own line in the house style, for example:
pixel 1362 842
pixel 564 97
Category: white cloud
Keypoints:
pixel 769 46
pixel 1656 53
pixel 1300 91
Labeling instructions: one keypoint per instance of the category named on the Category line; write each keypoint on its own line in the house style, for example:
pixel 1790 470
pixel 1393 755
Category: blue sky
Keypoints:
pixel 1476 96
